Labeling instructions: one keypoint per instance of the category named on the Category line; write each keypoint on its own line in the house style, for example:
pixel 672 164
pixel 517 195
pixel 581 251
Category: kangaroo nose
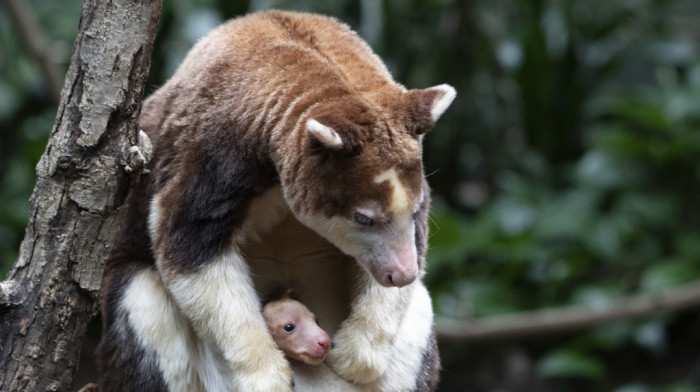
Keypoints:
pixel 399 278
pixel 325 343
pixel 405 269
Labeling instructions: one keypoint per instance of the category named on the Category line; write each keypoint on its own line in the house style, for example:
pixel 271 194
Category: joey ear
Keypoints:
pixel 427 105
pixel 326 135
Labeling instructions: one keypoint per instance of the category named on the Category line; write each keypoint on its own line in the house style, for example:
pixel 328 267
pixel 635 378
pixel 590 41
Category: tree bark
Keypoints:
pixel 93 154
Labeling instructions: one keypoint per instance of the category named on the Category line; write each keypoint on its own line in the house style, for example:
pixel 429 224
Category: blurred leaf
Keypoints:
pixel 514 217
pixel 666 273
pixel 570 363
pixel 649 209
pixel 9 100
pixel 611 336
pixel 596 296
pixel 487 297
pixel 634 388
pixel 652 336
pixel 606 237
pixel 449 236
pixel 648 113
pixel 688 246
pixel 602 170
pixel 568 215
pixel 682 387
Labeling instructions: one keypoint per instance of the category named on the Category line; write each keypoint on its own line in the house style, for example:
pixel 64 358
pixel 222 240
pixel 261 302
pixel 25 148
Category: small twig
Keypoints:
pixel 37 44
pixel 8 294
pixel 541 322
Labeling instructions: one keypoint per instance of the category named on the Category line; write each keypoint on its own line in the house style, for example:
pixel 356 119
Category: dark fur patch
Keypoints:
pixel 211 197
pixel 123 364
pixel 420 220
pixel 131 249
pixel 429 375
pixel 419 107
pixel 133 243
pixel 278 293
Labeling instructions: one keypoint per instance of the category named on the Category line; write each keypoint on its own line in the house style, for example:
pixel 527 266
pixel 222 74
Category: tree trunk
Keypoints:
pixel 93 153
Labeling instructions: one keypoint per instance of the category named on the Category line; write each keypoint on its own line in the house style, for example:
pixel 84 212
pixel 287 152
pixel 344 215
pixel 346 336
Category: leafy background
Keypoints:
pixel 566 172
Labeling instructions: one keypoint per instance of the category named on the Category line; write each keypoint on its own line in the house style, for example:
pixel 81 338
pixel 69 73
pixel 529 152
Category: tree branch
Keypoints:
pixel 546 321
pixel 37 44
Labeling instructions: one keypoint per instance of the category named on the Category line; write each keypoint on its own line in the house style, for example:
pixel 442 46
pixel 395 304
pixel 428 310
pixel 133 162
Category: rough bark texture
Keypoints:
pixel 93 153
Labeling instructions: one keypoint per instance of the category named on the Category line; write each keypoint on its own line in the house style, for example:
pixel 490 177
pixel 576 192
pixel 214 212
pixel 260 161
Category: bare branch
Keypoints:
pixel 570 318
pixel 37 44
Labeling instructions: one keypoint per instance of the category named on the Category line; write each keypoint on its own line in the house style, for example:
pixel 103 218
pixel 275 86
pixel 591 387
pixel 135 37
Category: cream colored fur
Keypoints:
pixel 442 103
pixel 223 303
pixel 161 328
pixel 363 342
pixel 407 348
pixel 223 307
pixel 358 313
pixel 324 134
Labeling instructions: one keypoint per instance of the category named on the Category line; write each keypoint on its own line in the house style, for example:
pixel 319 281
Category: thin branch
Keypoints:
pixel 37 44
pixel 542 322
pixel 8 293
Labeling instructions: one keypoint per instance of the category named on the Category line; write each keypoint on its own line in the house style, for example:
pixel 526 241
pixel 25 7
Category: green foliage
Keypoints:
pixel 26 115
pixel 570 363
pixel 565 173
pixel 591 193
pixel 682 387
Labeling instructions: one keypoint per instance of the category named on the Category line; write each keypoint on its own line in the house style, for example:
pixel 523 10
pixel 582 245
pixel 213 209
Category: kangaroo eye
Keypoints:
pixel 363 220
pixel 288 328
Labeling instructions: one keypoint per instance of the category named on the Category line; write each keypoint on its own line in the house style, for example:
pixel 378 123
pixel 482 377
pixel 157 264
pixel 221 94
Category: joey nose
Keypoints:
pixel 324 343
pixel 323 346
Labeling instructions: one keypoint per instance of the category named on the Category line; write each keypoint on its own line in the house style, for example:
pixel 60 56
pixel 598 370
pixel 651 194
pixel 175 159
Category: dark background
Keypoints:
pixel 566 172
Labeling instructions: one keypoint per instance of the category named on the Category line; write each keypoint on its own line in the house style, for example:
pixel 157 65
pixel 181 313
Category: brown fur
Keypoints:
pixel 326 73
pixel 231 125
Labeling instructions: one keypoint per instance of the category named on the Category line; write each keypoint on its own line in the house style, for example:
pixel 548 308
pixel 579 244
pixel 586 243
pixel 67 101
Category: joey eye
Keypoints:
pixel 363 220
pixel 288 328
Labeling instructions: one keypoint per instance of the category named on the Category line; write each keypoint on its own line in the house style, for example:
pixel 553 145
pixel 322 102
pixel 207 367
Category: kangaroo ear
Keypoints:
pixel 427 105
pixel 326 135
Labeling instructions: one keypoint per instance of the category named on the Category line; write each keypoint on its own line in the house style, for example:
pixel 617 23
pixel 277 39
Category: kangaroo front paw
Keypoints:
pixel 356 359
pixel 277 378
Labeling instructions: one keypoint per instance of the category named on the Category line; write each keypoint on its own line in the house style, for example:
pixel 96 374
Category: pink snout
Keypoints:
pixel 399 278
pixel 317 350
pixel 323 344
pixel 404 271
